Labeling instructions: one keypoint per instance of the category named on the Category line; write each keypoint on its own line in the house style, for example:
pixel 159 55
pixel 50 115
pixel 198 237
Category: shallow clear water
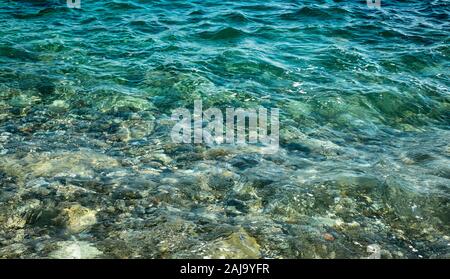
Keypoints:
pixel 88 169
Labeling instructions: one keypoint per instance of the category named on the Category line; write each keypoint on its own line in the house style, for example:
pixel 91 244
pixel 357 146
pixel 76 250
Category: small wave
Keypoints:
pixel 147 27
pixel 121 6
pixel 197 13
pixel 39 3
pixel 305 12
pixel 43 12
pixel 235 17
pixel 17 53
pixel 228 33
pixel 260 7
pixel 89 20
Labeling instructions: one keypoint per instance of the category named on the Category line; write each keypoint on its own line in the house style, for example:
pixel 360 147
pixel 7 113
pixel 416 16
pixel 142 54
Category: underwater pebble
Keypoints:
pixel 374 250
pixel 328 237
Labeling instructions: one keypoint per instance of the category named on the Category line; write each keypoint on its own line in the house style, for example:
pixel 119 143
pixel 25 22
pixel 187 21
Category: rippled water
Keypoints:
pixel 88 169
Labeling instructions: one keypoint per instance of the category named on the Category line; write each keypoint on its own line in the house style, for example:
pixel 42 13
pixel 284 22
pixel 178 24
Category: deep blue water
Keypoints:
pixel 86 159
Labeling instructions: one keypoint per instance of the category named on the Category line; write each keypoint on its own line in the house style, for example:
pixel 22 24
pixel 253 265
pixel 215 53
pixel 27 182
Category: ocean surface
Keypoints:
pixel 88 168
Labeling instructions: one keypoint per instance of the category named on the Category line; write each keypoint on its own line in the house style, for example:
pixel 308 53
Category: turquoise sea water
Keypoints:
pixel 88 169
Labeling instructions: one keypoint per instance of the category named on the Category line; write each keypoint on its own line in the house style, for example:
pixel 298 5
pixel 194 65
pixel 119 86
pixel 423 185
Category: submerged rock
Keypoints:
pixel 77 218
pixel 374 250
pixel 294 139
pixel 222 180
pixel 75 250
pixel 115 102
pixel 59 106
pixel 238 245
pixel 67 163
pixel 13 251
